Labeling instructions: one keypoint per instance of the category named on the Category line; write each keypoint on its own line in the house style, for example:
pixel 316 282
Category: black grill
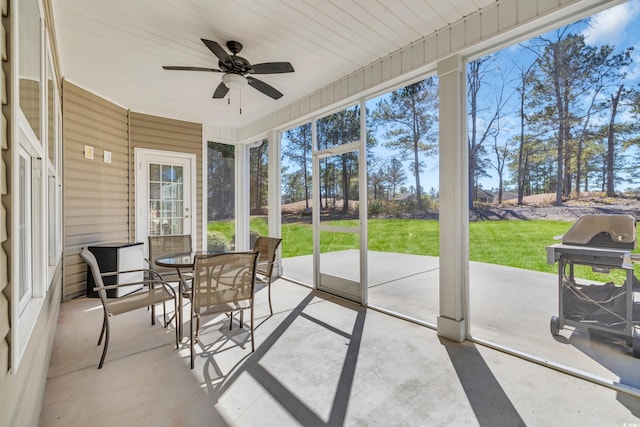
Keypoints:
pixel 604 243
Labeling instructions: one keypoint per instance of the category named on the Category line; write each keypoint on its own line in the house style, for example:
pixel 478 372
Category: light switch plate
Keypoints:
pixel 88 152
pixel 107 156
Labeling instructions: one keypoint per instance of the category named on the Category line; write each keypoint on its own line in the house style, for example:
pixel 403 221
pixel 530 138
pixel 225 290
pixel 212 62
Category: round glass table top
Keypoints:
pixel 183 259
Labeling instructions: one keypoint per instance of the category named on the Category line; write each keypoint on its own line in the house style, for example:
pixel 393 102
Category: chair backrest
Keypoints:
pixel 267 248
pixel 223 278
pixel 92 262
pixel 165 245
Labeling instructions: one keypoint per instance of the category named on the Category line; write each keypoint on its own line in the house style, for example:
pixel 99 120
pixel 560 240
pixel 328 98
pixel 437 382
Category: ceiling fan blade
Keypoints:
pixel 221 91
pixel 182 68
pixel 264 88
pixel 272 68
pixel 218 51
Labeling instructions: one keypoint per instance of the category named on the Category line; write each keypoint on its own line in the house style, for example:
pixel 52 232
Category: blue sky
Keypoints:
pixel 618 26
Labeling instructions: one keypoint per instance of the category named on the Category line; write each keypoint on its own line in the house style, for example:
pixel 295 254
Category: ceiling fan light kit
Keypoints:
pixel 234 81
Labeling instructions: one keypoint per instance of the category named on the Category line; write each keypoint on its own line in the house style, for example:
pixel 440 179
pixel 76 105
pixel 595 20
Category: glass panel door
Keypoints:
pixel 164 199
pixel 338 254
pixel 165 206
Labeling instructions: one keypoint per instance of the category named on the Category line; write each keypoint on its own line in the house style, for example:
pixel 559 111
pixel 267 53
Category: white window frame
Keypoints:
pixel 25 311
pixel 54 170
pixel 25 144
pixel 24 273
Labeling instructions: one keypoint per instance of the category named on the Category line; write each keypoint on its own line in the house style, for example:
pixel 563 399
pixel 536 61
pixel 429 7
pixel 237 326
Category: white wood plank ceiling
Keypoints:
pixel 117 48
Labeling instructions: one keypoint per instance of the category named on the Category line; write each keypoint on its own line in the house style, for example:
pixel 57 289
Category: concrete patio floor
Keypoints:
pixel 322 361
pixel 509 307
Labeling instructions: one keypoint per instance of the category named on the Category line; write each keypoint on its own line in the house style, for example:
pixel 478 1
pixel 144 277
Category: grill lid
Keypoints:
pixel 603 230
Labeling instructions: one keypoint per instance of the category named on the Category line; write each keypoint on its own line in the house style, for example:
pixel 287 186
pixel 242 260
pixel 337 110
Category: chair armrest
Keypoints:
pixel 164 284
pixel 264 265
pixel 143 270
pixel 183 271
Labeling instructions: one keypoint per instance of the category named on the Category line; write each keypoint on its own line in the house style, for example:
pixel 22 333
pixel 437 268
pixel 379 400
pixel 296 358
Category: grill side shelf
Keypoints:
pixel 592 256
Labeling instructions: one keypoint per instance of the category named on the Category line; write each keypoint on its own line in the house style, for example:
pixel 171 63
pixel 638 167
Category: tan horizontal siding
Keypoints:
pixel 76 271
pixel 22 392
pixel 107 190
pixel 88 206
pixel 96 202
pixel 80 225
pixel 160 133
pixel 99 198
pixel 21 389
pixel 5 288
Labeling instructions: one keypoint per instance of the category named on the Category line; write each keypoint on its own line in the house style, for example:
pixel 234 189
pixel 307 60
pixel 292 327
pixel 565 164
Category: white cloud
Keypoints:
pixel 609 26
pixel 633 70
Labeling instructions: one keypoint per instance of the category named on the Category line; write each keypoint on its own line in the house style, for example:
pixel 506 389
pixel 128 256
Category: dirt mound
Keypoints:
pixel 541 206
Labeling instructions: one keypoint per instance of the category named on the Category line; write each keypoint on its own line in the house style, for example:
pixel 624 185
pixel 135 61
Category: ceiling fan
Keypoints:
pixel 237 70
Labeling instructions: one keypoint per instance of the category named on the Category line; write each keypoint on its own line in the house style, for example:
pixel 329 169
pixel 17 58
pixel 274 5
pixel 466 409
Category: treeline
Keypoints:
pixel 557 116
pixel 565 122
pixel 339 180
pixel 409 129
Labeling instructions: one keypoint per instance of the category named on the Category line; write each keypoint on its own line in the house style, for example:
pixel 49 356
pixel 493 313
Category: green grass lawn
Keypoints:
pixel 513 243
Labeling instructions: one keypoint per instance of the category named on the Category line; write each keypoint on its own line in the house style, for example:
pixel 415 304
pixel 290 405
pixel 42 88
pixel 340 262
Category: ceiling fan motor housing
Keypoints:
pixel 239 65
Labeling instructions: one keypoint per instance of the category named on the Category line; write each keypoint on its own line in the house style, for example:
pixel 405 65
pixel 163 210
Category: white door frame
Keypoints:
pixel 141 154
pixel 361 148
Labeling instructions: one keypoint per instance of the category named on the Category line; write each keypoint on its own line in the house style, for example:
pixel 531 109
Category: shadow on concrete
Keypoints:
pixel 600 346
pixel 286 398
pixel 489 401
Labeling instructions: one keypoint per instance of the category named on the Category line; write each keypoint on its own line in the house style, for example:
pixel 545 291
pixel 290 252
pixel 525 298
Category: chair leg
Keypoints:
pixel 191 340
pixel 269 295
pixel 104 322
pixel 106 342
pixel 164 314
pixel 241 318
pixel 253 345
pixel 197 328
pixel 167 318
pixel 175 316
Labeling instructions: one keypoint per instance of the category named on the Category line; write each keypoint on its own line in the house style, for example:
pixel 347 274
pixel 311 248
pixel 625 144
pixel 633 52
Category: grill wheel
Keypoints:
pixel 555 326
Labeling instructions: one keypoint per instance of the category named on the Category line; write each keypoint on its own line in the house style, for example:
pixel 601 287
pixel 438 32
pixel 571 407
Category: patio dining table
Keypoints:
pixel 183 262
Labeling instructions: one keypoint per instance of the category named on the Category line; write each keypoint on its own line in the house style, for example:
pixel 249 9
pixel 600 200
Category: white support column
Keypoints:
pixel 274 194
pixel 453 204
pixel 205 191
pixel 364 212
pixel 242 197
pixel 315 207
